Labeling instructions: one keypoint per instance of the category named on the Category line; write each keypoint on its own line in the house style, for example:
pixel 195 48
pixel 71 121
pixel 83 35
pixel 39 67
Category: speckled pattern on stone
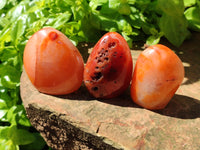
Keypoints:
pixel 78 121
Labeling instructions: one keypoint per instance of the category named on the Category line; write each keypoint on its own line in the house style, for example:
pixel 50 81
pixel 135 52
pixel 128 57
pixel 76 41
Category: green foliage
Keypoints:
pixel 80 20
pixel 15 136
pixel 193 16
pixel 189 3
pixel 173 22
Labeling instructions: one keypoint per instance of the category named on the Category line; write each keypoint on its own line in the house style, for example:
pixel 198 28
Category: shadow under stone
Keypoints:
pixel 180 106
pixel 183 107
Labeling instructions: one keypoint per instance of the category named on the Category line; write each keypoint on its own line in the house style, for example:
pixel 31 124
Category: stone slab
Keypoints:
pixel 78 121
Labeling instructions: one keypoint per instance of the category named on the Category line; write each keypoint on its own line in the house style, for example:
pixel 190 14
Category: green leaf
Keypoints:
pixel 121 6
pixel 29 19
pixel 8 145
pixel 174 28
pixel 7 53
pixel 95 3
pixel 16 136
pixel 89 33
pixel 22 136
pixel 9 98
pixel 189 3
pixel 4 22
pixel 3 109
pixel 37 144
pixel 5 35
pixel 18 29
pixel 114 4
pixel 10 77
pixel 136 18
pixel 128 39
pixel 173 22
pixel 172 7
pixel 5 96
pixel 124 9
pixel 192 14
pixel 111 22
pixel 131 2
pixel 37 25
pixel 153 39
pixel 15 12
pixel 80 9
pixel 2 3
pixel 17 115
pixel 2 104
pixel 72 30
pixel 149 29
pixel 4 132
pixel 3 114
pixel 142 4
pixel 57 21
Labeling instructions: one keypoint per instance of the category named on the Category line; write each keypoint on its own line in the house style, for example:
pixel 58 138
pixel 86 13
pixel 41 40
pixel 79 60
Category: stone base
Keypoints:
pixel 78 121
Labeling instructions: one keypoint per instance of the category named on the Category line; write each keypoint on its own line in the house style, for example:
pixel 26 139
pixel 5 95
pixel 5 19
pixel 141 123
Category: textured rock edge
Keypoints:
pixel 60 134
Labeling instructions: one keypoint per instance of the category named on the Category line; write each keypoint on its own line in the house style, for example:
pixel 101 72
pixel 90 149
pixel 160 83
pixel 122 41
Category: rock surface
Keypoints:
pixel 78 121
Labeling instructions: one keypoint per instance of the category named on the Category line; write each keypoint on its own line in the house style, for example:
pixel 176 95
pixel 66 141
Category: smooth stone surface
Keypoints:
pixel 78 121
